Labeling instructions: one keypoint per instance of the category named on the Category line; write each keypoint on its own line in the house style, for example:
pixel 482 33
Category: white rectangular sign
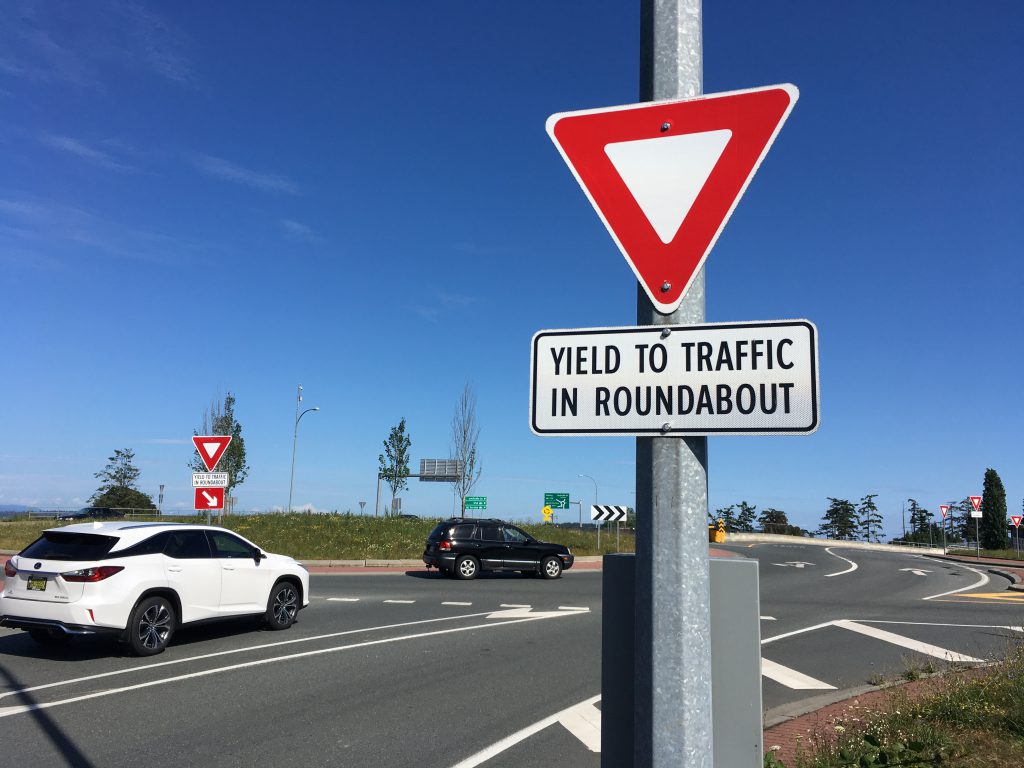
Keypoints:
pixel 715 379
pixel 209 479
pixel 976 513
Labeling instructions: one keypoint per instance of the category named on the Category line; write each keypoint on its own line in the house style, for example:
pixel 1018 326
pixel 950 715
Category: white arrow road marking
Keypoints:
pixel 510 741
pixel 793 564
pixel 21 709
pixel 210 500
pixel 904 642
pixel 915 571
pixel 791 678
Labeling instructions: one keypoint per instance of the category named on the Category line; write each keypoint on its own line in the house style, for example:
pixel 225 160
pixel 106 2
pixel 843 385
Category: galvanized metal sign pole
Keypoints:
pixel 673 641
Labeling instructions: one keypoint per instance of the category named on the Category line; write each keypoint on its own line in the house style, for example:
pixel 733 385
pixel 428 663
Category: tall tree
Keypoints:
pixel 745 517
pixel 839 520
pixel 118 483
pixel 465 433
pixel 993 513
pixel 869 520
pixel 773 521
pixel 220 420
pixel 920 520
pixel 394 470
pixel 966 523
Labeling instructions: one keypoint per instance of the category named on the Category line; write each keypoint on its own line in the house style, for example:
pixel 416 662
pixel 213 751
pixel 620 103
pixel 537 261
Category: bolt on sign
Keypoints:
pixel 717 379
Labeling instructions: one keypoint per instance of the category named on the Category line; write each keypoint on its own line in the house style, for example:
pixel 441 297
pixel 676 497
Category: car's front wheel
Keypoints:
pixel 151 626
pixel 551 568
pixel 467 568
pixel 283 605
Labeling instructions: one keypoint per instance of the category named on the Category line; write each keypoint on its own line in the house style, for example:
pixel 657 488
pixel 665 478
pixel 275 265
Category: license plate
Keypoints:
pixel 37 583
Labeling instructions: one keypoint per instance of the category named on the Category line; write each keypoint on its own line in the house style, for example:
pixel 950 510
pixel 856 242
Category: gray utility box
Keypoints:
pixel 735 663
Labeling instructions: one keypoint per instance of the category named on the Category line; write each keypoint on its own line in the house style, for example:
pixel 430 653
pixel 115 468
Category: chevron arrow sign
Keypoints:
pixel 606 514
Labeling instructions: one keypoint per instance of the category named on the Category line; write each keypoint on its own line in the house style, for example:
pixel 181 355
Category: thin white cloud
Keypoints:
pixel 166 441
pixel 299 231
pixel 83 151
pixel 219 168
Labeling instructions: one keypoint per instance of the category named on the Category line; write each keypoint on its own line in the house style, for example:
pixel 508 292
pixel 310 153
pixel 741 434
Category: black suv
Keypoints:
pixel 465 546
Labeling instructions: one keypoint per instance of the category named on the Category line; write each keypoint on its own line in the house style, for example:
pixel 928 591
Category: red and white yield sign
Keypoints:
pixel 211 448
pixel 209 498
pixel 665 176
pixel 944 509
pixel 1015 519
pixel 976 502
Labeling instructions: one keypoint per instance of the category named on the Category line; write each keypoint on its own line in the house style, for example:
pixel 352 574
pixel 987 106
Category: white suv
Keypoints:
pixel 141 581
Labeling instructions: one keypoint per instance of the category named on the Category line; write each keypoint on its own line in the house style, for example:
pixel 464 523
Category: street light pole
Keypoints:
pixel 595 504
pixel 295 440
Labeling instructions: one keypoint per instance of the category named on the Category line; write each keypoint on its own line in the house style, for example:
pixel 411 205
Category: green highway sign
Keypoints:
pixel 556 500
pixel 476 502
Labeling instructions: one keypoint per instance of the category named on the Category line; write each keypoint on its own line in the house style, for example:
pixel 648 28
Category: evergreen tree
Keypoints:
pixel 920 520
pixel 745 519
pixel 966 525
pixel 993 513
pixel 839 520
pixel 118 483
pixel 869 520
pixel 773 521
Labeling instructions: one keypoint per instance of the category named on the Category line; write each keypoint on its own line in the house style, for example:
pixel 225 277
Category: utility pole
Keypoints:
pixel 673 725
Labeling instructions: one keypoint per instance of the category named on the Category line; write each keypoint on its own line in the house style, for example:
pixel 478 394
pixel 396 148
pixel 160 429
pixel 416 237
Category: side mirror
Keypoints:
pixel 259 556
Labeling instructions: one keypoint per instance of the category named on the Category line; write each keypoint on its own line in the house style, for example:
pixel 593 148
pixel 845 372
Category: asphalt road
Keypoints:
pixel 409 669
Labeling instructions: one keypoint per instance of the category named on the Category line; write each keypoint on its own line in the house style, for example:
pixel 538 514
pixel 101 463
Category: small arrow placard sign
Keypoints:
pixel 607 514
pixel 211 448
pixel 209 498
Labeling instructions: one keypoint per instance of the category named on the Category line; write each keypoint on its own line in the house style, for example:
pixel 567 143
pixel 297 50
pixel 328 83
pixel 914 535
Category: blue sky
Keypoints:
pixel 361 198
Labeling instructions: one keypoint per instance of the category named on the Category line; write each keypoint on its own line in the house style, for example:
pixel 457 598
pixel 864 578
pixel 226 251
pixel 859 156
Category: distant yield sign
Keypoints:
pixel 664 177
pixel 717 379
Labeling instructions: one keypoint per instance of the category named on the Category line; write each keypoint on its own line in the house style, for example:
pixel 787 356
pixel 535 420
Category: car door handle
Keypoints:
pixel 229 567
pixel 174 570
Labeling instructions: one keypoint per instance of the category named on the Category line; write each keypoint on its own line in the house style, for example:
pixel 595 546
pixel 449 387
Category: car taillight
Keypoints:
pixel 9 569
pixel 92 574
pixel 445 545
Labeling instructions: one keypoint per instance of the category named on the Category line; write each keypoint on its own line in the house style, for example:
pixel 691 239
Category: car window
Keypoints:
pixel 151 546
pixel 54 545
pixel 187 545
pixel 462 531
pixel 515 535
pixel 438 532
pixel 226 545
pixel 491 533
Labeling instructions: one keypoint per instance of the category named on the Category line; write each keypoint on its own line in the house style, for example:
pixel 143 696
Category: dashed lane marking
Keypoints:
pixel 400 602
pixel 514 605
pixel 455 603
pixel 791 678
pixel 343 599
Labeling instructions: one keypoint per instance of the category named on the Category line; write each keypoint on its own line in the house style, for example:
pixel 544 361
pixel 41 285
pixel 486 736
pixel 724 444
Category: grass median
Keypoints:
pixel 966 719
pixel 343 537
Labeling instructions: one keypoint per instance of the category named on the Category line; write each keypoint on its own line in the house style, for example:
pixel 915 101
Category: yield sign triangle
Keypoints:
pixel 664 177
pixel 211 448
pixel 976 502
pixel 1016 520
pixel 944 509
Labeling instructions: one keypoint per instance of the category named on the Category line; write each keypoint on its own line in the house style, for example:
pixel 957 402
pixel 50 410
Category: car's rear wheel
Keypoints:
pixel 151 626
pixel 467 568
pixel 551 568
pixel 49 636
pixel 283 605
